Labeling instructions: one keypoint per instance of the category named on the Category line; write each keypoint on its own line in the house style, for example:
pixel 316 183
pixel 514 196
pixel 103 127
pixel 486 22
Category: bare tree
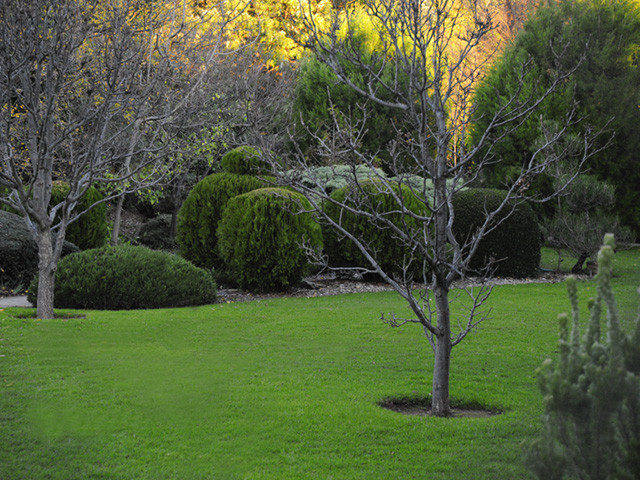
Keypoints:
pixel 89 93
pixel 431 47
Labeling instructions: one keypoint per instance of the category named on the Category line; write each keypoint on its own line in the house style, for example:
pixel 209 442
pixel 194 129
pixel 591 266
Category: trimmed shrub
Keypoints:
pixel 156 233
pixel 261 238
pixel 128 277
pixel 201 211
pixel 390 253
pixel 244 160
pixel 514 244
pixel 90 230
pixel 19 252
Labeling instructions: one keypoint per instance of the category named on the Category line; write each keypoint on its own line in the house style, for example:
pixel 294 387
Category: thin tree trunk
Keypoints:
pixel 577 268
pixel 46 275
pixel 115 234
pixel 127 163
pixel 440 405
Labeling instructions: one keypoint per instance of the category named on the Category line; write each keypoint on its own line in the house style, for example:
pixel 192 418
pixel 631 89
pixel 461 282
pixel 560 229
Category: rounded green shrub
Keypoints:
pixel 90 230
pixel 201 211
pixel 128 277
pixel 514 244
pixel 244 160
pixel 19 252
pixel 261 236
pixel 390 253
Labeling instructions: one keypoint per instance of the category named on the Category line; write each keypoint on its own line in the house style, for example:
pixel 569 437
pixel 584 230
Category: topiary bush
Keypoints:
pixel 19 252
pixel 128 277
pixel 244 160
pixel 200 213
pixel 261 236
pixel 90 230
pixel 381 241
pixel 514 244
pixel 156 233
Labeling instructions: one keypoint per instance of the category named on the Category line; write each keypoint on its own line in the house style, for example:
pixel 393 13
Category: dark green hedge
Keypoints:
pixel 200 213
pixel 261 236
pixel 128 277
pixel 155 233
pixel 514 244
pixel 390 253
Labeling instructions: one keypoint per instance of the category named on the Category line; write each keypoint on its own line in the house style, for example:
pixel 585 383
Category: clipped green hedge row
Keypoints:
pixel 372 197
pixel 128 277
pixel 261 237
pixel 514 245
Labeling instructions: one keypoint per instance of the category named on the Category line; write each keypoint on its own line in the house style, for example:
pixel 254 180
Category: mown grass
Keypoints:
pixel 277 389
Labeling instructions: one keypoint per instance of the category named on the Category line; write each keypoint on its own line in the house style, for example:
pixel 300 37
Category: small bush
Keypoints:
pixel 128 277
pixel 19 252
pixel 90 230
pixel 514 244
pixel 591 422
pixel 201 211
pixel 156 233
pixel 381 241
pixel 243 160
pixel 261 238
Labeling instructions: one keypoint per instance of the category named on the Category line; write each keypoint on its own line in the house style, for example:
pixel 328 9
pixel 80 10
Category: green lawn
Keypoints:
pixel 277 389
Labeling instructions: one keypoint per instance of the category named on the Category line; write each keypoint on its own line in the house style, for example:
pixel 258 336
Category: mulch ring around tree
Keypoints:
pixel 421 406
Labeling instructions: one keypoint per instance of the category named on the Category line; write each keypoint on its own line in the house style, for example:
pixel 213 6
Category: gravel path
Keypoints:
pixel 324 285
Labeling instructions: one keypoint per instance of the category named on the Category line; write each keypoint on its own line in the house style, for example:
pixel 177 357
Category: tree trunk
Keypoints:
pixel 115 234
pixel 577 268
pixel 440 406
pixel 46 275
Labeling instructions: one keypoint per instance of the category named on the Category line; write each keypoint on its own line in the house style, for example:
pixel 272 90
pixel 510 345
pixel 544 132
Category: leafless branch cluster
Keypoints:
pixel 430 48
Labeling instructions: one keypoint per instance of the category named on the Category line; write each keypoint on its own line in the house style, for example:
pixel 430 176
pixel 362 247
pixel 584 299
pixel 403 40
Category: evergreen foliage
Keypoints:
pixel 513 244
pixel 128 277
pixel 321 101
pixel 90 230
pixel 261 237
pixel 591 425
pixel 202 210
pixel 243 160
pixel 156 233
pixel 372 197
pixel 603 39
pixel 19 252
